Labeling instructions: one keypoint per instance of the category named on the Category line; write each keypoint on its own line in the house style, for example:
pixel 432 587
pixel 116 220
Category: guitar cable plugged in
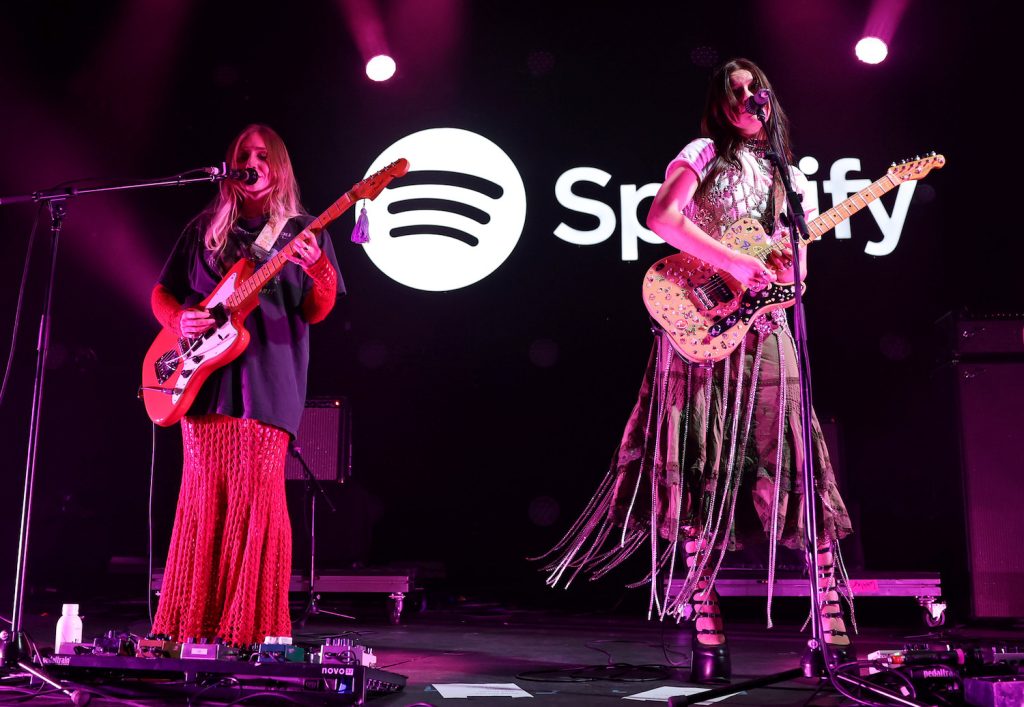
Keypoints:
pixel 157 389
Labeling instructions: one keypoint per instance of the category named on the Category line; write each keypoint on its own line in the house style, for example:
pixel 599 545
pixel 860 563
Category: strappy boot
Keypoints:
pixel 710 661
pixel 833 624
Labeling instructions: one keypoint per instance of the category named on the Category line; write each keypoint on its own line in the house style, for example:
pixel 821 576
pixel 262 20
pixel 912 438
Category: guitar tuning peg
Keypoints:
pixel 893 164
pixel 932 153
pixel 917 157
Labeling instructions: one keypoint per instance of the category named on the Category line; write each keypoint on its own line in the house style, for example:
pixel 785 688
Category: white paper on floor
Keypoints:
pixel 660 694
pixel 484 689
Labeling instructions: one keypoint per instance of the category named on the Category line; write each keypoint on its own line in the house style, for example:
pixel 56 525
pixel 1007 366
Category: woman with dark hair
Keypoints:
pixel 229 560
pixel 693 447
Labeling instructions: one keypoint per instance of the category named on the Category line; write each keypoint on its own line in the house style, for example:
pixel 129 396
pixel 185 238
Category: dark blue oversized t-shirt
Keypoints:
pixel 268 381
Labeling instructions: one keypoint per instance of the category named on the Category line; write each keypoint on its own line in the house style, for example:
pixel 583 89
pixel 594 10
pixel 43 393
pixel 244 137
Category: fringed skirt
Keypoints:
pixel 699 442
pixel 229 561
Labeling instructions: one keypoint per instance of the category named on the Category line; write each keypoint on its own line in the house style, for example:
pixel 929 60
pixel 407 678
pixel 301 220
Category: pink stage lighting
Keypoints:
pixel 871 50
pixel 380 68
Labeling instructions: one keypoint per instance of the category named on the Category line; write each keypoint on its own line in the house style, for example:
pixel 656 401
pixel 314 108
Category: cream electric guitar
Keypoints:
pixel 706 312
pixel 175 367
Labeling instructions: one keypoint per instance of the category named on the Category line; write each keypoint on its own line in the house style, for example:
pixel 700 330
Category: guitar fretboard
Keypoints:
pixel 273 266
pixel 848 207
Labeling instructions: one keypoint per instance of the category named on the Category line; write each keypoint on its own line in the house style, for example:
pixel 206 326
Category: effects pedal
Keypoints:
pixel 204 650
pixel 344 651
pixel 158 647
pixel 279 649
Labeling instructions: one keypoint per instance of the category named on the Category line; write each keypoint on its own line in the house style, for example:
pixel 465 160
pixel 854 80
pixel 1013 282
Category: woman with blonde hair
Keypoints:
pixel 229 560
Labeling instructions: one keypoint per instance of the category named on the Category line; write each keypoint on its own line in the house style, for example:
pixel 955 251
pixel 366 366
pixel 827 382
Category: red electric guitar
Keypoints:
pixel 175 368
pixel 706 312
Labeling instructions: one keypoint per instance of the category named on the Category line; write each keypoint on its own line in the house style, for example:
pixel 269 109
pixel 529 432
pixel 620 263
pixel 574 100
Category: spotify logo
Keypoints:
pixel 454 218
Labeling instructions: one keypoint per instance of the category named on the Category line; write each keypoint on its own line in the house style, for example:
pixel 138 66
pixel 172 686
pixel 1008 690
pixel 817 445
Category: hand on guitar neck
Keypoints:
pixel 306 250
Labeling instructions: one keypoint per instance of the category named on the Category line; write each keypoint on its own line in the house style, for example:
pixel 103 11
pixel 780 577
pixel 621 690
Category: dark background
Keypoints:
pixel 456 431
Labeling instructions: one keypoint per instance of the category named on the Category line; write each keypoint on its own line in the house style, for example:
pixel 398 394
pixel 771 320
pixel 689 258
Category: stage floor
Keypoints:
pixel 538 650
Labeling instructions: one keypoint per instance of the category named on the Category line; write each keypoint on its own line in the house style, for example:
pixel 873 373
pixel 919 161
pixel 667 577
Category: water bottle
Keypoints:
pixel 69 629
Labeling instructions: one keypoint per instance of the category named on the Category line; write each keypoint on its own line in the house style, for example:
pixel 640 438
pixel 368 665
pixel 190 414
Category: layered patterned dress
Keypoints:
pixel 703 441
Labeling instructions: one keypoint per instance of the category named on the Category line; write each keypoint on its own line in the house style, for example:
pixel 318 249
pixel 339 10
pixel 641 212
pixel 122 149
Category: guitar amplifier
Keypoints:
pixel 968 334
pixel 991 436
pixel 324 441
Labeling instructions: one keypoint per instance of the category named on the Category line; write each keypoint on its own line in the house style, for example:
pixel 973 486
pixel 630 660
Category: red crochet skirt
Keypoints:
pixel 229 561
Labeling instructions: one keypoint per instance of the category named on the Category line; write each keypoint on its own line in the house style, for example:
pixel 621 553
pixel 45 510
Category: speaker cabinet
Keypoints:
pixel 324 441
pixel 990 403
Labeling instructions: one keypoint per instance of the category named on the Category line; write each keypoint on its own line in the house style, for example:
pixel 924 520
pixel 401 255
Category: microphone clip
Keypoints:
pixel 219 173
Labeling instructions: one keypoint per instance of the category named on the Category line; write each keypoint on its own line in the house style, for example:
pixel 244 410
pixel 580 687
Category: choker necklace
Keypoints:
pixel 757 146
pixel 250 231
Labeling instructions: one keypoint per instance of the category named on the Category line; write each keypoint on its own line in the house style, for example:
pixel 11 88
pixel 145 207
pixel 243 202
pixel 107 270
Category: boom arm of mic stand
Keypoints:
pixel 11 651
pixel 62 194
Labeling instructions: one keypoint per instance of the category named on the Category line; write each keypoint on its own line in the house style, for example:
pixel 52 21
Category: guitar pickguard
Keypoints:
pixel 705 312
pixel 210 345
pixel 750 304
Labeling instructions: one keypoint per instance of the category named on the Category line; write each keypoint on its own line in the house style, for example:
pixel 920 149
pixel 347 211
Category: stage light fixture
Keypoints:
pixel 871 50
pixel 380 68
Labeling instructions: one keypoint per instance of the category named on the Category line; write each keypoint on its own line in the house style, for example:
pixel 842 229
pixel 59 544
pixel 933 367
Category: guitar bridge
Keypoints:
pixel 165 366
pixel 751 304
pixel 713 292
pixel 705 301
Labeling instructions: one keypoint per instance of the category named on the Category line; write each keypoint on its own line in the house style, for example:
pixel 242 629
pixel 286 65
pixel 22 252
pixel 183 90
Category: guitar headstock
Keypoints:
pixel 917 168
pixel 373 185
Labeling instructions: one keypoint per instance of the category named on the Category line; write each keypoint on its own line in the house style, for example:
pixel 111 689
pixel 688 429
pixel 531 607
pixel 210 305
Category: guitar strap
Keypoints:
pixel 767 219
pixel 776 204
pixel 269 235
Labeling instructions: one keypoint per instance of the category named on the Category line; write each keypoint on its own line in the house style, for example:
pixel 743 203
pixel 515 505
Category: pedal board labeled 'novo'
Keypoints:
pixel 337 673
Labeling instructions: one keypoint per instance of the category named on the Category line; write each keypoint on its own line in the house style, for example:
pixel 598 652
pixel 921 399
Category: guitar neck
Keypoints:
pixel 252 286
pixel 847 208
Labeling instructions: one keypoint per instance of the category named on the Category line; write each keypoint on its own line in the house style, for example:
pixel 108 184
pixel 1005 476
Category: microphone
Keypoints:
pixel 756 103
pixel 248 175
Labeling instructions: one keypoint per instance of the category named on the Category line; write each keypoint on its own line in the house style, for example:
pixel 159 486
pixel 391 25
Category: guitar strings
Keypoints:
pixel 759 253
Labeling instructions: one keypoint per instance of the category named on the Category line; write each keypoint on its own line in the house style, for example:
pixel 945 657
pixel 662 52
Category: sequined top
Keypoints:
pixel 738 192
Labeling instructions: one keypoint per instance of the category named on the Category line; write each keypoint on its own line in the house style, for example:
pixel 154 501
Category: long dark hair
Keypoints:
pixel 716 125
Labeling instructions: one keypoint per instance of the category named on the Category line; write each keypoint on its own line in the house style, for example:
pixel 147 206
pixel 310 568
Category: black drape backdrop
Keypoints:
pixel 484 413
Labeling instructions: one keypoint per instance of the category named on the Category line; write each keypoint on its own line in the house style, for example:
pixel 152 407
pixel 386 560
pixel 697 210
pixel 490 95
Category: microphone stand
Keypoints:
pixel 14 644
pixel 313 487
pixel 817 661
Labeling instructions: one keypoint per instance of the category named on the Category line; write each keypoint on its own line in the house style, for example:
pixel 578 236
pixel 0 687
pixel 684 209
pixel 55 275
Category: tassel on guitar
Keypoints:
pixel 361 232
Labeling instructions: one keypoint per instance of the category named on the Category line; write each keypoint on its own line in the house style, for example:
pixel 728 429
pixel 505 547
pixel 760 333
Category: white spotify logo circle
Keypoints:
pixel 454 218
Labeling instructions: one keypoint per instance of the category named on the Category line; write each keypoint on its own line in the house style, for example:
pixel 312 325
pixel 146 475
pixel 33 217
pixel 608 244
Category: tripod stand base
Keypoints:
pixel 312 608
pixel 812 665
pixel 15 659
pixel 736 687
pixel 9 650
pixel 812 662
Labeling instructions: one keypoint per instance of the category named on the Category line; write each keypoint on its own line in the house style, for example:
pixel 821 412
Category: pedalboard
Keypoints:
pixel 336 672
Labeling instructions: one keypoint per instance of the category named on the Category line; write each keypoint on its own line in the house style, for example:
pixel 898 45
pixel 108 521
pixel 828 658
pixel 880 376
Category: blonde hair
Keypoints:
pixel 282 203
